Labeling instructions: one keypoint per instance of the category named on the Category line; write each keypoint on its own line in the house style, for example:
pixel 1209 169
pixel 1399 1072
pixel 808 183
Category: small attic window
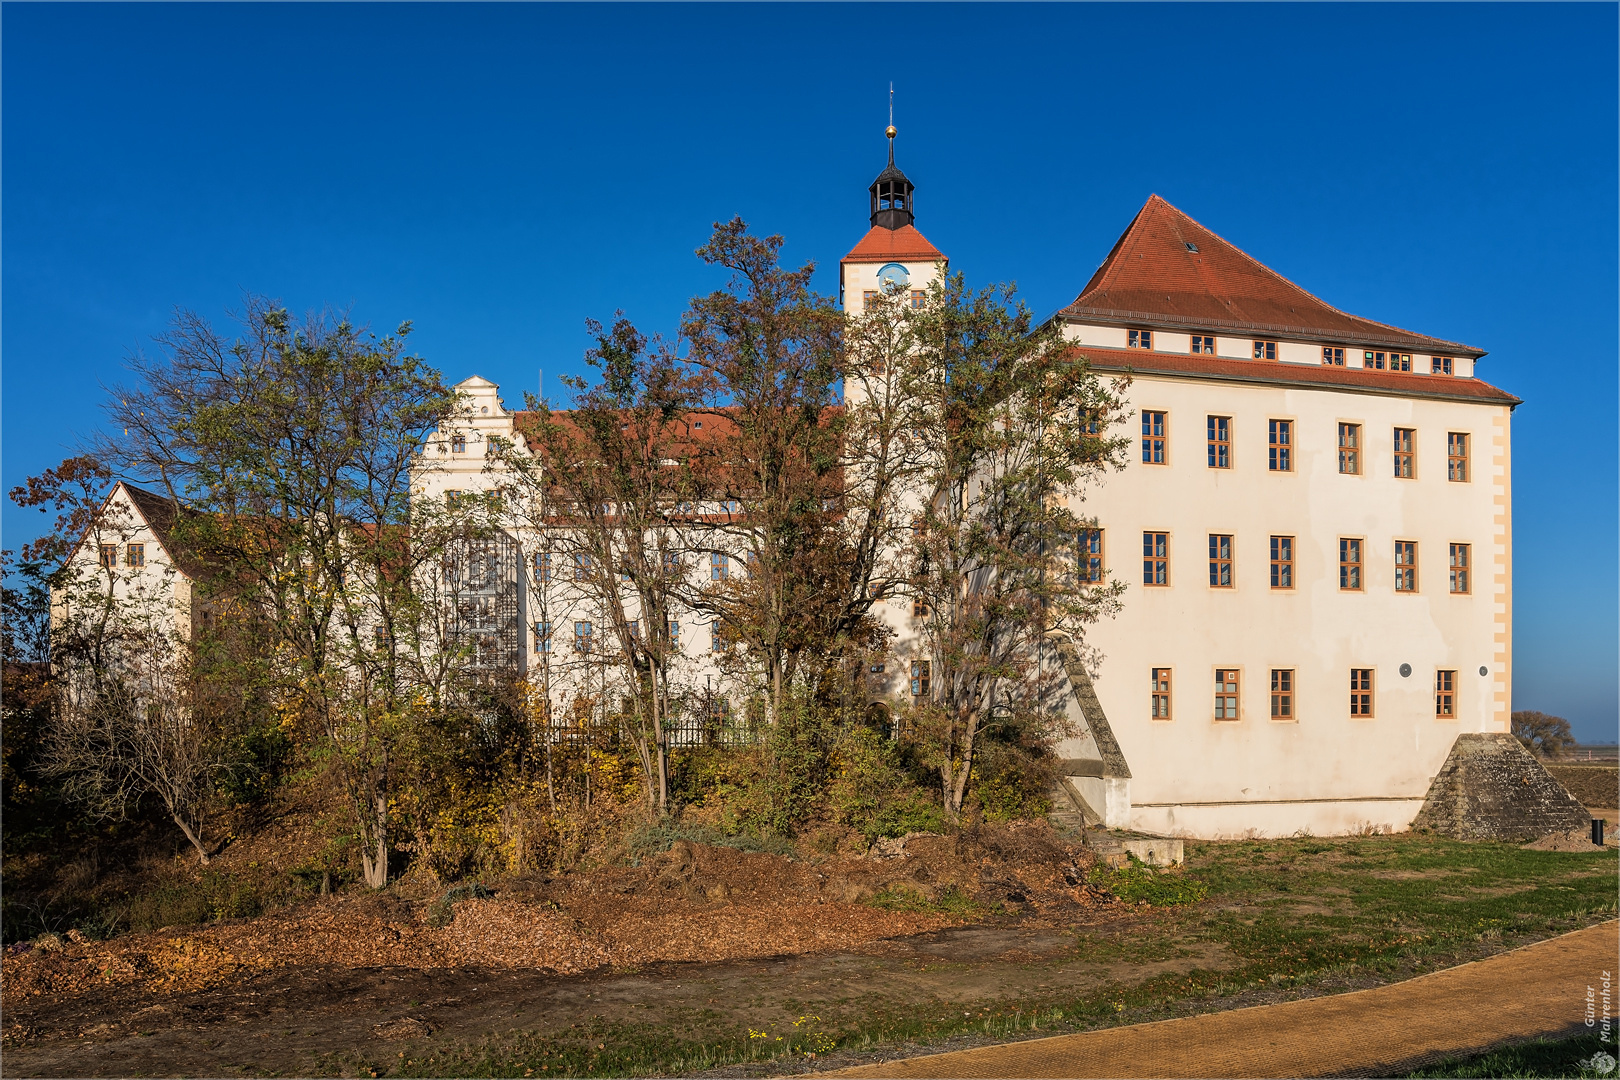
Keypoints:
pixel 697 425
pixel 1192 247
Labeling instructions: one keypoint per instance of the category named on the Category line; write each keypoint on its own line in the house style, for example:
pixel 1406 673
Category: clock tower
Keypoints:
pixel 893 255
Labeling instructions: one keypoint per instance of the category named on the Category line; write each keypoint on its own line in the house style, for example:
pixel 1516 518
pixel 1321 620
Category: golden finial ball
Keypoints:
pixel 889 131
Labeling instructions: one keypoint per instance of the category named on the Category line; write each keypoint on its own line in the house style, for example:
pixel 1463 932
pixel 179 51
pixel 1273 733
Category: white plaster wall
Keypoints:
pixel 1297 352
pixel 1107 337
pixel 158 581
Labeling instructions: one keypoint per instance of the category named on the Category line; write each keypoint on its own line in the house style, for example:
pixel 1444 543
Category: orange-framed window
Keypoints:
pixel 1282 693
pixel 1091 555
pixel 1361 691
pixel 109 555
pixel 1445 695
pixel 1265 350
pixel 1406 579
pixel 1350 449
pixel 1461 558
pixel 1219 434
pixel 919 608
pixel 584 636
pixel 719 566
pixel 542 567
pixel 1282 562
pixel 1457 456
pixel 1139 339
pixel 917 296
pixel 1226 693
pixel 1280 445
pixel 1203 343
pixel 1349 564
pixel 868 298
pixel 921 678
pixel 135 555
pixel 1220 560
pixel 1161 693
pixel 1332 357
pixel 1153 438
pixel 582 566
pixel 1390 361
pixel 1405 439
pixel 1440 365
pixel 1155 558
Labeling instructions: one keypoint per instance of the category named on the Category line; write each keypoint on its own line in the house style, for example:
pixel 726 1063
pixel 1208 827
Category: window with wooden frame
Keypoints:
pixel 1153 438
pixel 921 678
pixel 1226 693
pixel 1282 562
pixel 868 298
pixel 1090 421
pixel 1265 350
pixel 452 498
pixel 719 566
pixel 109 555
pixel 584 636
pixel 1406 579
pixel 1139 339
pixel 1361 691
pixel 672 563
pixel 717 636
pixel 582 566
pixel 673 627
pixel 917 296
pixel 1461 559
pixel 1387 361
pixel 1218 431
pixel 1405 438
pixel 1350 449
pixel 542 637
pixel 1280 446
pixel 1457 457
pixel 1220 561
pixel 1091 555
pixel 919 608
pixel 458 444
pixel 1349 565
pixel 135 555
pixel 1161 693
pixel 542 567
pixel 1282 693
pixel 1332 357
pixel 1155 558
pixel 1445 695
pixel 1440 365
pixel 1203 343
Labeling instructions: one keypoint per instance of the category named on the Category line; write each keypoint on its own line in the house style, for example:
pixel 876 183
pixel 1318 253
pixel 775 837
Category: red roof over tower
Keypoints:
pixel 904 244
pixel 1169 271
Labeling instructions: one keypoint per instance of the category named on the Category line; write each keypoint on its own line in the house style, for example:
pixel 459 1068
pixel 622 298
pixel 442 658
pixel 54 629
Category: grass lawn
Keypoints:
pixel 1278 919
pixel 1544 1057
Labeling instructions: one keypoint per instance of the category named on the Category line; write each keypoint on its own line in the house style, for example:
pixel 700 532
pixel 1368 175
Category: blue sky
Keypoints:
pixel 498 174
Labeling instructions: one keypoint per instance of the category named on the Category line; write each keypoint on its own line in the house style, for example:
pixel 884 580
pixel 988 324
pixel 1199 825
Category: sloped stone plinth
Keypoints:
pixel 1492 788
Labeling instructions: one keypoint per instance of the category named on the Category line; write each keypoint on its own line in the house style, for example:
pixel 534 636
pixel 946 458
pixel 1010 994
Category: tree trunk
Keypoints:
pixel 196 841
pixel 374 864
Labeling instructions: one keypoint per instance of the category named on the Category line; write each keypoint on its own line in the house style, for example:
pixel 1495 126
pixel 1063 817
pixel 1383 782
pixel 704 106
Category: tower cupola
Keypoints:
pixel 892 193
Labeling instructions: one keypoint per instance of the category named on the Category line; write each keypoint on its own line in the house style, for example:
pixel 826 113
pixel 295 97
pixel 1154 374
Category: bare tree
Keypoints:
pixel 1547 736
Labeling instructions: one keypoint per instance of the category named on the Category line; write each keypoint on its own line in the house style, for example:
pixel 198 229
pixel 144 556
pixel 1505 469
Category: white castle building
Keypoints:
pixel 1315 526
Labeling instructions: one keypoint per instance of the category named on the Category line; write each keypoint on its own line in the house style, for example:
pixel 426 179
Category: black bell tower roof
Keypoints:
pixel 892 194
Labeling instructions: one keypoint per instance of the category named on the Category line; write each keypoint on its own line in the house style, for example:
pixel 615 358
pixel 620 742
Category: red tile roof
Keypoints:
pixel 1277 373
pixel 1153 278
pixel 904 244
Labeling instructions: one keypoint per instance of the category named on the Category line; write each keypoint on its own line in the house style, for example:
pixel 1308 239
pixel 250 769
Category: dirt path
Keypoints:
pixel 1536 990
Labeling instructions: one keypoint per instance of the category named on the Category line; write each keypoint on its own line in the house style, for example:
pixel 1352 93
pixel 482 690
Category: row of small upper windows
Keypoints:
pixel 584 566
pixel 134 555
pixel 587 641
pixel 1266 349
pixel 1280 444
pixel 1352 562
pixel 869 297
pixel 1227 701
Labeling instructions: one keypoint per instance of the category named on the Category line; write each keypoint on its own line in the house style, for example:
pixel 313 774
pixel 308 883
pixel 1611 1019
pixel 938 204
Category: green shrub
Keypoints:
pixel 949 900
pixel 1136 882
pixel 872 792
pixel 1011 785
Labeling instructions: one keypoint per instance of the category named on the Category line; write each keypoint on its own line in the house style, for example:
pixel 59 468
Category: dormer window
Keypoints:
pixel 1382 361
pixel 1203 343
pixel 1139 339
pixel 1332 357
pixel 1265 350
pixel 458 444
pixel 1440 365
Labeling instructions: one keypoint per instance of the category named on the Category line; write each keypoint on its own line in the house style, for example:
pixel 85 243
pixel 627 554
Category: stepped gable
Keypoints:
pixel 1492 788
pixel 1167 270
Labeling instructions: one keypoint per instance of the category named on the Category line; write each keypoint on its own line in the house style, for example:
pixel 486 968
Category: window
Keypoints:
pixel 1361 691
pixel 1265 350
pixel 458 444
pixel 1350 449
pixel 379 637
pixel 877 667
pixel 917 299
pixel 1226 694
pixel 1440 365
pixel 1282 562
pixel 1445 695
pixel 719 566
pixel 136 555
pixel 109 555
pixel 920 675
pixel 674 628
pixel 1203 343
pixel 452 498
pixel 1155 558
pixel 1161 693
pixel 919 608
pixel 1090 422
pixel 1282 693
pixel 1280 446
pixel 542 637
pixel 1153 438
pixel 1332 357
pixel 1457 456
pixel 542 567
pixel 1459 568
pixel 868 298
pixel 582 637
pixel 635 630
pixel 1139 339
pixel 1091 555
pixel 1406 566
pixel 1219 432
pixel 1380 361
pixel 672 564
pixel 1349 565
pixel 1220 561
pixel 1403 452
pixel 582 567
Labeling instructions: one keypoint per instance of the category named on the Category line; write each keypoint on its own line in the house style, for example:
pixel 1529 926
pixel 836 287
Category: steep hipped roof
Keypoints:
pixel 904 244
pixel 1169 271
